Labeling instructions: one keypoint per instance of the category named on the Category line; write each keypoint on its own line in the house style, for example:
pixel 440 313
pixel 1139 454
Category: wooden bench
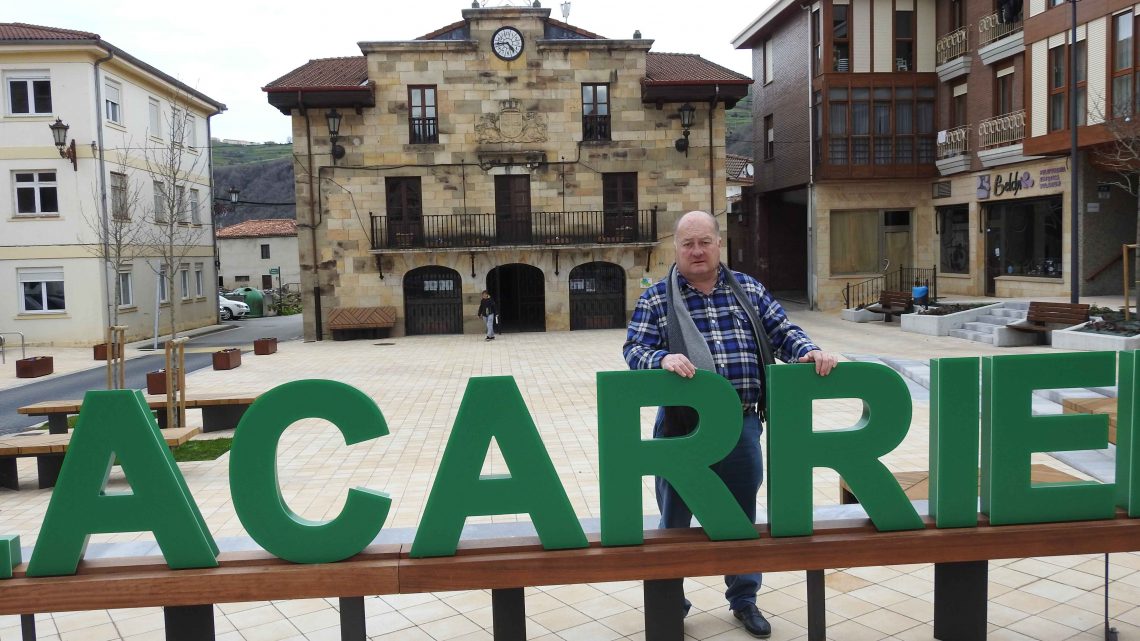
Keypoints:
pixel 49 450
pixel 219 411
pixel 361 322
pixel 1045 317
pixel 892 302
pixel 506 566
pixel 1098 405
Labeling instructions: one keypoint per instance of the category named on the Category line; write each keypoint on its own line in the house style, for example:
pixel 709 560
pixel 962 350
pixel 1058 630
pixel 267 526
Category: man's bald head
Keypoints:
pixel 696 216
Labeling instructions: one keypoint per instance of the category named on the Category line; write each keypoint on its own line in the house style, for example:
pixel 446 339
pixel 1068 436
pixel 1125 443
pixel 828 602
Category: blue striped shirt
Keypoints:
pixel 725 326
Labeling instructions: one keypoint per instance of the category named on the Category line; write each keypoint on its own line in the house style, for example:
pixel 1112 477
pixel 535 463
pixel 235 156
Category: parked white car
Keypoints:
pixel 232 308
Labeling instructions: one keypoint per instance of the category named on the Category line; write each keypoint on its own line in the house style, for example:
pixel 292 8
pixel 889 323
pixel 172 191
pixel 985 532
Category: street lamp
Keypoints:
pixel 686 112
pixel 333 116
pixel 59 134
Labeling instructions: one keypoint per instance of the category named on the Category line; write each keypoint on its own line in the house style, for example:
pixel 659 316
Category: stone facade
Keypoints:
pixel 520 118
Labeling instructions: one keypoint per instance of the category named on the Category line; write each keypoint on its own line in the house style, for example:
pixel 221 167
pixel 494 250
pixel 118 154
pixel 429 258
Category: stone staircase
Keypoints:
pixel 982 330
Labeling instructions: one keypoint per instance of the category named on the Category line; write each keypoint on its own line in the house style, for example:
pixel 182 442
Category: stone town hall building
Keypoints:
pixel 510 152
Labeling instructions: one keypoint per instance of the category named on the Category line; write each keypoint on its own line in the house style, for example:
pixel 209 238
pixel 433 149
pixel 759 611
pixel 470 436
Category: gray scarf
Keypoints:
pixel 685 338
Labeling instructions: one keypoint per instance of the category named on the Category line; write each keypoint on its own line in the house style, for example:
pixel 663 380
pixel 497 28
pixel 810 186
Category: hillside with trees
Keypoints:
pixel 263 174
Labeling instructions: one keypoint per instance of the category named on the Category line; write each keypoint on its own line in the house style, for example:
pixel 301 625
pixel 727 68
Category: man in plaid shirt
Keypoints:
pixel 714 304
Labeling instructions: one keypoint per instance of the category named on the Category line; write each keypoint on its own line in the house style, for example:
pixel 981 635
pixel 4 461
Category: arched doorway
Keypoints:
pixel 520 292
pixel 597 296
pixel 432 301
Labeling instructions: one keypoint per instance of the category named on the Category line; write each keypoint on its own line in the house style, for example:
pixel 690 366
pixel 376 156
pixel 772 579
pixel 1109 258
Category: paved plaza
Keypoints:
pixel 419 382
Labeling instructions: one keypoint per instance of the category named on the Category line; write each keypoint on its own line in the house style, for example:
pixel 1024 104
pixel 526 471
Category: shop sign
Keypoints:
pixel 1010 184
pixel 1004 435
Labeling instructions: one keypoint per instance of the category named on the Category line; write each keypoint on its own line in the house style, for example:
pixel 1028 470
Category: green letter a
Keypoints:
pixel 118 423
pixel 492 407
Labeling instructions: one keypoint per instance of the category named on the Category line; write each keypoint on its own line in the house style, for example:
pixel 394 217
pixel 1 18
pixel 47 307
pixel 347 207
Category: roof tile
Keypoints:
pixel 260 228
pixel 324 73
pixel 677 68
pixel 23 31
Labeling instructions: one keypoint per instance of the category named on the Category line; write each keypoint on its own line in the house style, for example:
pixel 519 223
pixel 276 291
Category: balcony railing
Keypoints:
pixel 991 29
pixel 1001 131
pixel 595 127
pixel 424 131
pixel 498 230
pixel 952 45
pixel 955 142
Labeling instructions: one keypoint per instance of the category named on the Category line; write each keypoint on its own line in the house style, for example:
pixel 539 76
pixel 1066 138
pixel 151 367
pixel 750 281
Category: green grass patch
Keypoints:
pixel 202 450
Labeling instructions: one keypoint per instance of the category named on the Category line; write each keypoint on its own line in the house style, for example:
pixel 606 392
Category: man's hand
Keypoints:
pixel 679 364
pixel 824 362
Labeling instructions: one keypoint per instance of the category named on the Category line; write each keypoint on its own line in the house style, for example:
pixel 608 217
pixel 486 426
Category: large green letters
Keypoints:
pixel 1127 477
pixel 795 449
pixel 493 408
pixel 954 436
pixel 253 472
pixel 9 554
pixel 1011 434
pixel 118 423
pixel 624 458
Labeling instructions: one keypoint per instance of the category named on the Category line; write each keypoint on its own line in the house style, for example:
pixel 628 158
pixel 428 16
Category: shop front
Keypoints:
pixel 1004 233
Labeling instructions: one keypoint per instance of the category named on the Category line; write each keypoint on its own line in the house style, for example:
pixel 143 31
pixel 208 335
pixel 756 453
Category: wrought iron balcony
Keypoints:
pixel 952 45
pixel 539 228
pixel 991 28
pixel 1002 131
pixel 955 142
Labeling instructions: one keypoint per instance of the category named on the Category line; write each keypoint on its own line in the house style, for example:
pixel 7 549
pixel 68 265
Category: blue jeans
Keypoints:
pixel 742 472
pixel 490 321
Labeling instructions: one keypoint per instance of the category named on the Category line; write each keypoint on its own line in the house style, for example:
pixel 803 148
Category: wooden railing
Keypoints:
pixel 952 45
pixel 497 230
pixel 991 29
pixel 1000 131
pixel 956 142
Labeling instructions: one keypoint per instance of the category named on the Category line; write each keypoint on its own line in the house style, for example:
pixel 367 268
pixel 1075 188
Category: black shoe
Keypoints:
pixel 489 338
pixel 754 622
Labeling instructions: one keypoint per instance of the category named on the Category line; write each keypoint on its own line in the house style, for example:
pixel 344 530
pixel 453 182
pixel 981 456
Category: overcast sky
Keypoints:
pixel 231 48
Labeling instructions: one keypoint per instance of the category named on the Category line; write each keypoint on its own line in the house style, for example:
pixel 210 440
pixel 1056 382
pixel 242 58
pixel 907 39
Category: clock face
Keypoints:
pixel 507 43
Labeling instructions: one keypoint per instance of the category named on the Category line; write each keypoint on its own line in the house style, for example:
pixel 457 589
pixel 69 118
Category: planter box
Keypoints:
pixel 941 325
pixel 101 351
pixel 227 358
pixel 34 367
pixel 264 346
pixel 156 382
pixel 1071 339
pixel 860 316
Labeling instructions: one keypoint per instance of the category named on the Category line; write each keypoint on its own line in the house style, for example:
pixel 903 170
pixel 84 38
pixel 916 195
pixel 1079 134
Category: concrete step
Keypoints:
pixel 995 320
pixel 980 327
pixel 978 337
pixel 1021 305
pixel 1009 313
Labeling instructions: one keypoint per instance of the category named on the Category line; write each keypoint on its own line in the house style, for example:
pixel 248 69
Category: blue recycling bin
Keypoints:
pixel 920 294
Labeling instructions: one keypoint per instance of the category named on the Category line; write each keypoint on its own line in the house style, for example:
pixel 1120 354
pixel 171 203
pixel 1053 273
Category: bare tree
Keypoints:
pixel 1122 154
pixel 119 232
pixel 174 232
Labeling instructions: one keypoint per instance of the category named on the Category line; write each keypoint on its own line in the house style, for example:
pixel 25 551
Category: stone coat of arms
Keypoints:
pixel 511 124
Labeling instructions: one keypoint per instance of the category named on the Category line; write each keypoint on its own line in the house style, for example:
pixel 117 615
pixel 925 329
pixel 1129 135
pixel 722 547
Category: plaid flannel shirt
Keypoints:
pixel 725 326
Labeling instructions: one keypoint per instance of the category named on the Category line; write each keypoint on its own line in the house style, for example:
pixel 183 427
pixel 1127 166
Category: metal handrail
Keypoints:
pixel 1003 130
pixel 992 29
pixel 955 143
pixel 952 45
pixel 23 352
pixel 861 294
pixel 551 228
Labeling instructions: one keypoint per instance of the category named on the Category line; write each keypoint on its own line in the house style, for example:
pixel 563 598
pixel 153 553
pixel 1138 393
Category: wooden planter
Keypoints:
pixel 227 358
pixel 156 382
pixel 264 346
pixel 101 351
pixel 34 367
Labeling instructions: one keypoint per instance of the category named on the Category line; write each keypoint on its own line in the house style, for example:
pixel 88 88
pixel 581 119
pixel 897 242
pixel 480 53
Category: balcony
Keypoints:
pixel 951 54
pixel 464 232
pixel 999 139
pixel 999 40
pixel 953 150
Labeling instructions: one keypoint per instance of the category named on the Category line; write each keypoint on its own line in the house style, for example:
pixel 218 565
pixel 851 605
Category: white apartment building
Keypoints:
pixel 61 208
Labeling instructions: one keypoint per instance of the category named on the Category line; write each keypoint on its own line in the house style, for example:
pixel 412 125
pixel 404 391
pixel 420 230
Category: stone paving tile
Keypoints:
pixel 419 383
